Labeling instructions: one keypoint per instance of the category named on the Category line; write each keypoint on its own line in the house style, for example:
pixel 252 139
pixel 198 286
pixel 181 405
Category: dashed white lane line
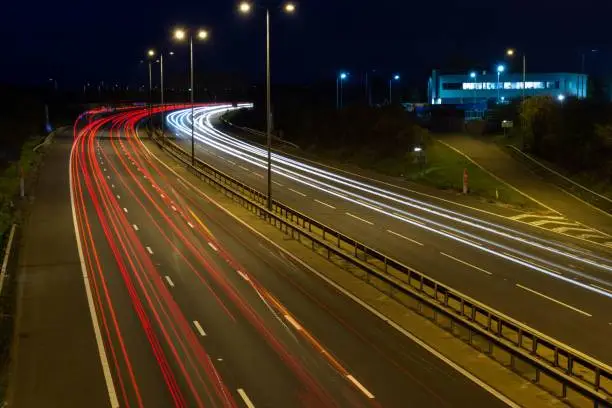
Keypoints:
pixel 105 169
pixel 466 263
pixel 169 280
pixel 358 218
pixel 244 168
pixel 277 183
pixel 135 227
pixel 245 398
pixel 258 175
pixel 293 322
pixel 118 197
pixel 406 238
pixel 231 162
pixel 214 248
pixel 173 208
pixel 298 192
pixel 108 177
pixel 361 387
pixel 125 210
pixel 149 250
pixel 325 204
pixel 554 300
pixel 112 186
pixel 199 328
pixel 243 275
pixel 190 224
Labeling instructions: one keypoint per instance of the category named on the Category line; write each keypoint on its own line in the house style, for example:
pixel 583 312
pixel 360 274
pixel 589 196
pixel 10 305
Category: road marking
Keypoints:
pixel 245 398
pixel 258 175
pixel 532 263
pixel 297 192
pixel 409 220
pixel 108 177
pixel 244 168
pixel 135 227
pixel 602 288
pixel 190 224
pixel 232 162
pixel 562 230
pixel 369 204
pixel 531 215
pixel 293 322
pixel 169 280
pixel 325 204
pixel 361 387
pixel 199 328
pixel 466 263
pixel 112 185
pixel 118 197
pixel 125 210
pixel 554 300
pixel 105 169
pixel 201 223
pixel 277 183
pixel 406 238
pixel 360 219
pixel 173 208
pixel 162 196
pixel 214 248
pixel 244 276
pixel 150 250
pixel 365 305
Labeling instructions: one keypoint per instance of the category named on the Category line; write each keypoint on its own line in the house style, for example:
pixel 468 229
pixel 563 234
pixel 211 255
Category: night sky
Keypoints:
pixel 94 41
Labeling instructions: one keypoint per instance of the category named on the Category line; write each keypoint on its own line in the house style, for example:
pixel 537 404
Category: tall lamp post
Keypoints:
pixel 150 55
pixel 161 82
pixel 500 69
pixel 473 78
pixel 339 80
pixel 510 52
pixel 395 77
pixel 246 7
pixel 180 35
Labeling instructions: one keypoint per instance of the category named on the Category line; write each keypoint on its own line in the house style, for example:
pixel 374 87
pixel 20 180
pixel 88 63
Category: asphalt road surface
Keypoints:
pixel 555 283
pixel 193 310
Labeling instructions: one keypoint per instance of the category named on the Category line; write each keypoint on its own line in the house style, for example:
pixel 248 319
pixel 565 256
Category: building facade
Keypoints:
pixel 478 87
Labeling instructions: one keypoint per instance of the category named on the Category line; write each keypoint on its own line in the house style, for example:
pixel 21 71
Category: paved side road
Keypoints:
pixel 55 360
pixel 492 158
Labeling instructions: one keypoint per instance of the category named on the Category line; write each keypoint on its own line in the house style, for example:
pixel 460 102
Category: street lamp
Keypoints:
pixel 339 80
pixel 500 69
pixel 395 77
pixel 180 34
pixel 161 82
pixel 150 56
pixel 246 7
pixel 473 77
pixel 510 52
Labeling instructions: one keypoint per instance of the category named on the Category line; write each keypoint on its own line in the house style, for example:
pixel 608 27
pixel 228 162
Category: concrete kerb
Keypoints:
pixel 49 139
pixel 395 308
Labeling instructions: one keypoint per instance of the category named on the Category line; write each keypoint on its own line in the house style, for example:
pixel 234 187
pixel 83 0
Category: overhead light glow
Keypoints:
pixel 244 7
pixel 151 53
pixel 510 52
pixel 501 68
pixel 202 34
pixel 179 34
pixel 290 7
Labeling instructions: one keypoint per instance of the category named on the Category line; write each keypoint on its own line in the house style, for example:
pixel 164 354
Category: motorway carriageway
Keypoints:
pixel 556 284
pixel 191 309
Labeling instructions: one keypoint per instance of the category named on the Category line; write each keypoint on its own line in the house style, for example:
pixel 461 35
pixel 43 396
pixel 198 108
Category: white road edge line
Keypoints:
pixel 199 328
pixel 298 192
pixel 360 219
pixel 149 250
pixel 406 238
pixel 466 263
pixel 554 300
pixel 169 280
pixel 245 398
pixel 325 204
pixel 600 287
pixel 108 378
pixel 361 387
pixel 348 294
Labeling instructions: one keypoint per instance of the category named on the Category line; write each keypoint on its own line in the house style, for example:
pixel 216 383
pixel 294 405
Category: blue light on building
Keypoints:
pixel 472 88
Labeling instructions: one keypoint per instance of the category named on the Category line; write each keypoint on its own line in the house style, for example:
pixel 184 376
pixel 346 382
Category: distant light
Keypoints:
pixel 202 34
pixel 179 34
pixel 503 98
pixel 560 97
pixel 472 75
pixel 396 77
pixel 501 68
pixel 510 52
pixel 171 53
pixel 151 53
pixel 290 7
pixel 418 149
pixel 343 75
pixel 244 7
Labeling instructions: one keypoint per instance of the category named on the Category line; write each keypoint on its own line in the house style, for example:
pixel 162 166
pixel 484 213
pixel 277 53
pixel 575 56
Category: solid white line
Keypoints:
pixel 150 250
pixel 554 300
pixel 348 294
pixel 108 378
pixel 466 263
pixel 214 248
pixel 245 398
pixel 125 210
pixel 199 328
pixel 297 192
pixel 135 227
pixel 190 224
pixel 360 219
pixel 325 204
pixel 361 387
pixel 595 286
pixel 293 322
pixel 169 280
pixel 7 254
pixel 406 238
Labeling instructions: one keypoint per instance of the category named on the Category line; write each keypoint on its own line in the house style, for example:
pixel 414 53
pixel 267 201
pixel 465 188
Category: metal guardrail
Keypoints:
pixel 258 133
pixel 567 373
pixel 602 202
